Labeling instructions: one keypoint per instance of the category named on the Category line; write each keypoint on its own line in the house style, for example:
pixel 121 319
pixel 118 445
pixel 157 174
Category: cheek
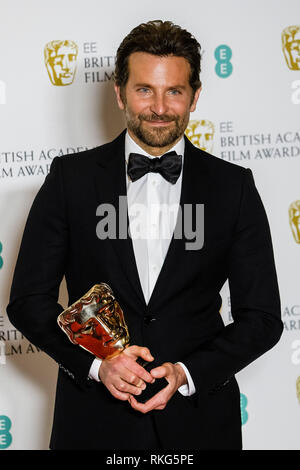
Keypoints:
pixel 136 107
pixel 180 106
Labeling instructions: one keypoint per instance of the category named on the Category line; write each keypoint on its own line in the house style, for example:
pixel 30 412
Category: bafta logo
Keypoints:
pixel 298 388
pixel 201 134
pixel 291 46
pixel 294 218
pixel 60 60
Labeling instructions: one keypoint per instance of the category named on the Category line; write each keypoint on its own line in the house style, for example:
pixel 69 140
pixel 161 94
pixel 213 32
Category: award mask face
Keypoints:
pixel 60 61
pixel 201 134
pixel 294 216
pixel 96 322
pixel 291 46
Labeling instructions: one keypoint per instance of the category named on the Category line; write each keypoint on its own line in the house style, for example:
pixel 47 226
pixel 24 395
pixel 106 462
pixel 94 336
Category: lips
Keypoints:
pixel 159 123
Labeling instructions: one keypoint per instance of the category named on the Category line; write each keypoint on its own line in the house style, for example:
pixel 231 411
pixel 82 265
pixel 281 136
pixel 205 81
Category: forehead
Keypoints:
pixel 296 36
pixel 65 50
pixel 203 128
pixel 144 68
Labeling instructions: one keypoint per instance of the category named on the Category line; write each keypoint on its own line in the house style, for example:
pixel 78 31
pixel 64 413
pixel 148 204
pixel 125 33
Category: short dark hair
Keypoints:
pixel 161 38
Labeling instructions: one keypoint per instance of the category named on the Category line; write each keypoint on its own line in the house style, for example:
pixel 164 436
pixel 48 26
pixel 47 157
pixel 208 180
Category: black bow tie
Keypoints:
pixel 168 165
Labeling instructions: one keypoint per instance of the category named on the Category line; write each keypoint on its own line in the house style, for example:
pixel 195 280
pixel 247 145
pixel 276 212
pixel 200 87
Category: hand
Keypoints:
pixel 176 377
pixel 123 376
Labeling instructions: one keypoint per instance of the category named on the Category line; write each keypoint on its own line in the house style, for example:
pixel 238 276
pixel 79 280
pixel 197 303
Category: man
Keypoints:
pixel 169 293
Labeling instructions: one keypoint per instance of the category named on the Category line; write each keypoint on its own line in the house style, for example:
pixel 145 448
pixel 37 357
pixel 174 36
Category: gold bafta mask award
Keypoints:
pixel 298 388
pixel 60 60
pixel 290 39
pixel 96 323
pixel 201 134
pixel 294 218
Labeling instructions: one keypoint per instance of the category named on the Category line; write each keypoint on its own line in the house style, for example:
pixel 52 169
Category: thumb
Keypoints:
pixel 139 351
pixel 146 354
pixel 159 372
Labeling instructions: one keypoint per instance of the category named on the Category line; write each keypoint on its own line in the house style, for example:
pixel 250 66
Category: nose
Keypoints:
pixel 65 63
pixel 202 141
pixel 159 104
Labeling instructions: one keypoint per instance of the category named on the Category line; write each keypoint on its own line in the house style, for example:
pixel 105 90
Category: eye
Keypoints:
pixel 143 90
pixel 174 92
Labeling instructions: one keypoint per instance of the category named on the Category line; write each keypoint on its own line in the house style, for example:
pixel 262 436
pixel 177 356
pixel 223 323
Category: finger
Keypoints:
pixel 132 379
pixel 117 393
pixel 126 388
pixel 145 407
pixel 157 402
pixel 136 369
pixel 160 371
pixel 139 351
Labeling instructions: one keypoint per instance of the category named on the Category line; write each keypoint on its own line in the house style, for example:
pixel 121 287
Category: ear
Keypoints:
pixel 196 97
pixel 118 96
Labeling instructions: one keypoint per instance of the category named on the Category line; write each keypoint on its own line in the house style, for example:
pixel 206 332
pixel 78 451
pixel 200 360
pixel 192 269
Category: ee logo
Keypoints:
pixel 244 412
pixel 223 66
pixel 5 436
pixel 1 259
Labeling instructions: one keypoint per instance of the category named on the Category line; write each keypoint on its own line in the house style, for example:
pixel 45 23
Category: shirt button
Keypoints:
pixel 149 319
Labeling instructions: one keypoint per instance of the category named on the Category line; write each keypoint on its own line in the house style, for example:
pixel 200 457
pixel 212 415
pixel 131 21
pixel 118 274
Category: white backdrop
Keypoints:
pixel 251 98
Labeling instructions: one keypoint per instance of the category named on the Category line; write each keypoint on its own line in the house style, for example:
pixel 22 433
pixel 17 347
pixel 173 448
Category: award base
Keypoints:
pixel 151 389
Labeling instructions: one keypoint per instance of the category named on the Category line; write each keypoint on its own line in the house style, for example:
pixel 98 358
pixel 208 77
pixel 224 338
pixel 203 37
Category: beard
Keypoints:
pixel 156 136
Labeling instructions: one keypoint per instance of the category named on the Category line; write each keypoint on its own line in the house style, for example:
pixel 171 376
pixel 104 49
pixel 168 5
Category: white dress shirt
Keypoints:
pixel 152 211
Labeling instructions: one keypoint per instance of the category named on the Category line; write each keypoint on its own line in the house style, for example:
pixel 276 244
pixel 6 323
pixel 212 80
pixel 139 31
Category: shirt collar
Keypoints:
pixel 132 147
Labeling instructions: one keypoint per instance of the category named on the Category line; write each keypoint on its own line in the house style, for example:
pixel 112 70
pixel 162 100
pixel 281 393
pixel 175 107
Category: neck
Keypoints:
pixel 153 151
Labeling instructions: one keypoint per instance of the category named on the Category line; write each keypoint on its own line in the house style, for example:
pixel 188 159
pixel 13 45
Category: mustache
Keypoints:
pixel 155 117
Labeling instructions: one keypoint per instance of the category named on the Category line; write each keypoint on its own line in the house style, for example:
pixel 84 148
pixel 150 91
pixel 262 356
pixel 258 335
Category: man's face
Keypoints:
pixel 157 100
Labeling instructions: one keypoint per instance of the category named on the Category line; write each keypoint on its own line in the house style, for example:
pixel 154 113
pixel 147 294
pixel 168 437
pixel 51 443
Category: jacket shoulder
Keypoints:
pixel 83 159
pixel 215 166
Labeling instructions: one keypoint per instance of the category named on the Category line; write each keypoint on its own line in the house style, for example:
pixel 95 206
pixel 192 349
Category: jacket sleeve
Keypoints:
pixel 33 306
pixel 255 300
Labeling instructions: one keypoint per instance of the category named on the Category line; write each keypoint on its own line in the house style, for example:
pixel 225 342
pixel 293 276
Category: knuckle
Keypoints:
pixel 122 386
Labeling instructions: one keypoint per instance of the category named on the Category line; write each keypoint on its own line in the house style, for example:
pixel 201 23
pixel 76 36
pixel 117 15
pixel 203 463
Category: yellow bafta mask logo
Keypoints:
pixel 60 60
pixel 294 217
pixel 290 38
pixel 201 134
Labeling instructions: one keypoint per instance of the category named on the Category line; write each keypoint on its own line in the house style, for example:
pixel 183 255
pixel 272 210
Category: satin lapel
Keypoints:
pixel 194 189
pixel 110 184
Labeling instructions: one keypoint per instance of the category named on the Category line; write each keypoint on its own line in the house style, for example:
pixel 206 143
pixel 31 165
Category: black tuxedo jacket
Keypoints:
pixel 60 240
